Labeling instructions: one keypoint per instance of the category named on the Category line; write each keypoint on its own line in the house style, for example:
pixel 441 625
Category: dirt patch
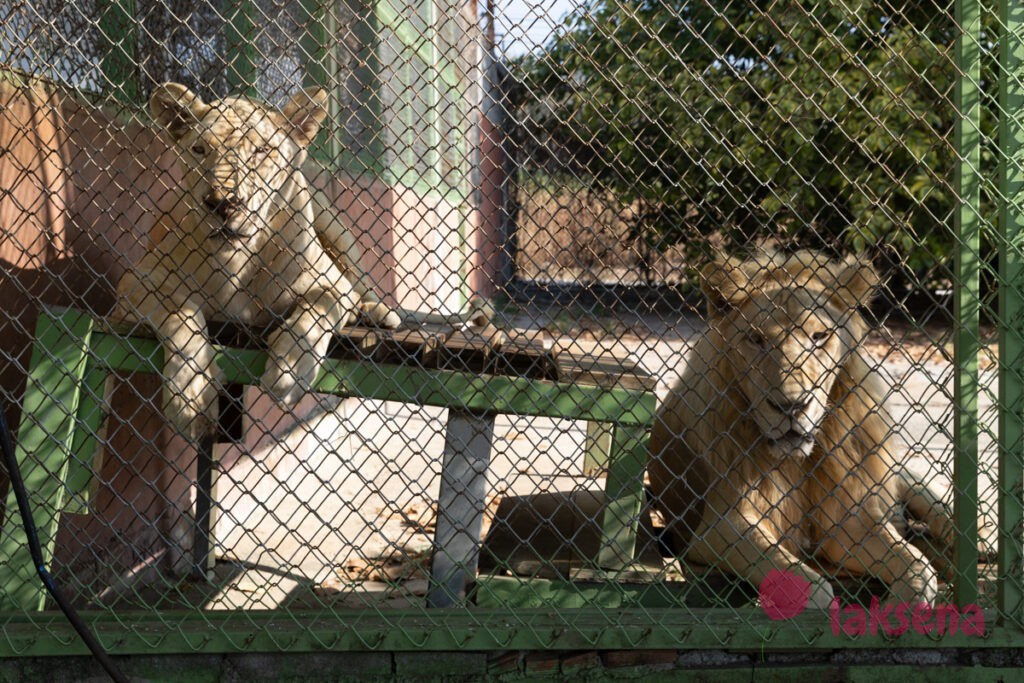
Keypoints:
pixel 914 343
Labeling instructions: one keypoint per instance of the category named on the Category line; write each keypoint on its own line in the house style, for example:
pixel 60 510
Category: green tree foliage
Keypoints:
pixel 825 124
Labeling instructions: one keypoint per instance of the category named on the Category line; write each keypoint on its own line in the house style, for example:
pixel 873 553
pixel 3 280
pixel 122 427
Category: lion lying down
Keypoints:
pixel 249 241
pixel 774 444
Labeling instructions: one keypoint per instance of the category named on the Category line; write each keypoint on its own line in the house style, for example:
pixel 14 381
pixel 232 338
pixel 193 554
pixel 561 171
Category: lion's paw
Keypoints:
pixel 821 595
pixel 190 403
pixel 481 312
pixel 381 315
pixel 282 386
pixel 919 584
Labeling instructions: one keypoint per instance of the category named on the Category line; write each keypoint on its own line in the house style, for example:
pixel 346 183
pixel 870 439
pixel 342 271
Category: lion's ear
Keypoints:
pixel 176 108
pixel 304 113
pixel 855 282
pixel 721 281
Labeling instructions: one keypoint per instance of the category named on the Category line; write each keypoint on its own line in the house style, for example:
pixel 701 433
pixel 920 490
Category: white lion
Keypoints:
pixel 248 241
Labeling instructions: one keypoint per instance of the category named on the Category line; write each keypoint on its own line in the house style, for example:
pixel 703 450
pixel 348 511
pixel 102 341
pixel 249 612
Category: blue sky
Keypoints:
pixel 522 25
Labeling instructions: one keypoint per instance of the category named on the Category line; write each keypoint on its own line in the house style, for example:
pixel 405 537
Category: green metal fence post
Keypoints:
pixel 322 69
pixel 1011 312
pixel 241 56
pixel 120 62
pixel 328 28
pixel 967 302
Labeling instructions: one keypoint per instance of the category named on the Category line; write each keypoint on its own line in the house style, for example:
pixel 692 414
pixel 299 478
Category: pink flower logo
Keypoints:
pixel 784 594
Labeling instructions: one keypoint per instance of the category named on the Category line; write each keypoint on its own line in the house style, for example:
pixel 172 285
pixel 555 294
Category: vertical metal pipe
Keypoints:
pixel 201 549
pixel 1011 311
pixel 320 67
pixel 241 56
pixel 120 63
pixel 967 301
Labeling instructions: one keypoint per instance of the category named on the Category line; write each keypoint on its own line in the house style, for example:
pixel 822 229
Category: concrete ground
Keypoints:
pixel 340 511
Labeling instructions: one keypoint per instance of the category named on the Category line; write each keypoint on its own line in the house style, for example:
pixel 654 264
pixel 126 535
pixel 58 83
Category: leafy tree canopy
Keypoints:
pixel 824 124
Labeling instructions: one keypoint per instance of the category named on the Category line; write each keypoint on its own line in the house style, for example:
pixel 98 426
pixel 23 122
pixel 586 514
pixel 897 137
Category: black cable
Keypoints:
pixel 18 484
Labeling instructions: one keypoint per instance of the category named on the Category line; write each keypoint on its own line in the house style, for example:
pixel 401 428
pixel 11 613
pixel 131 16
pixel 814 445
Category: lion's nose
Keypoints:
pixel 789 406
pixel 221 204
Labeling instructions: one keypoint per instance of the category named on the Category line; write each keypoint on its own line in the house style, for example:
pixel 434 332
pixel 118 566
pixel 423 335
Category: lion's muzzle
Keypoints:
pixel 223 205
pixel 228 213
pixel 789 424
pixel 793 443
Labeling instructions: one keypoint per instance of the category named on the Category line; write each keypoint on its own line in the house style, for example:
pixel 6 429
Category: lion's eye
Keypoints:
pixel 821 336
pixel 261 151
pixel 199 150
pixel 757 340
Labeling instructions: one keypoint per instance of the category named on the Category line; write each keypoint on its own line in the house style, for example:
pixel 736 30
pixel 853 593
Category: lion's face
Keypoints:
pixel 788 333
pixel 237 156
pixel 788 352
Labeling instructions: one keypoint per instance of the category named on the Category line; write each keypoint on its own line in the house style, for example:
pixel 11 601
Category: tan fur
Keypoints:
pixel 248 241
pixel 773 446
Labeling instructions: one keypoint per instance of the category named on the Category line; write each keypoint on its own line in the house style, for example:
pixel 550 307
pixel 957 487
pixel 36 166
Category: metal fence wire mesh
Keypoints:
pixel 435 324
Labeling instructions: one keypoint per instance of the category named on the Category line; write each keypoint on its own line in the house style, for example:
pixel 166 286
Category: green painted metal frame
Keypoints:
pixel 120 64
pixel 63 411
pixel 322 68
pixel 477 629
pixel 55 397
pixel 242 55
pixel 1011 313
pixel 967 302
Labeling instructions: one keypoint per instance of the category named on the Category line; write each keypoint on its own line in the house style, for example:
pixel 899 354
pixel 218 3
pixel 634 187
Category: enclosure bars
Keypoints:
pixel 242 56
pixel 119 65
pixel 1011 312
pixel 967 302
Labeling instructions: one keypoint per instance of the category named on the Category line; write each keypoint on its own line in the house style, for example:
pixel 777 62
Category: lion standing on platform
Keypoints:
pixel 250 242
pixel 773 448
pixel 240 245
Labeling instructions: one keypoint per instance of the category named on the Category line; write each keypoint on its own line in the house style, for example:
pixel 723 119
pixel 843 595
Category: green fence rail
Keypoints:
pixel 485 487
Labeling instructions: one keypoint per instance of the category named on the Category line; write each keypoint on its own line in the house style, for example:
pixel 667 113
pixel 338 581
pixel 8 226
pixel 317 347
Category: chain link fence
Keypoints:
pixel 394 325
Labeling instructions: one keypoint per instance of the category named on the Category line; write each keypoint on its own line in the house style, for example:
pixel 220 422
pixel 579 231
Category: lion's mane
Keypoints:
pixel 706 448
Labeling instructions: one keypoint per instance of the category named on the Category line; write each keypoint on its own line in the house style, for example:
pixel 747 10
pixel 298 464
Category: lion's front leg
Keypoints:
pixel 190 373
pixel 864 545
pixel 344 251
pixel 742 545
pixel 378 312
pixel 925 505
pixel 298 347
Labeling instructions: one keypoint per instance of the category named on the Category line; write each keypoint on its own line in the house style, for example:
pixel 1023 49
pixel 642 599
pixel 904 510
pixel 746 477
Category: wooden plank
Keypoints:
pixel 512 355
pixel 472 350
pixel 520 356
pixel 45 450
pixel 355 343
pixel 411 347
pixel 238 336
pixel 460 507
pixel 604 371
pixel 417 347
